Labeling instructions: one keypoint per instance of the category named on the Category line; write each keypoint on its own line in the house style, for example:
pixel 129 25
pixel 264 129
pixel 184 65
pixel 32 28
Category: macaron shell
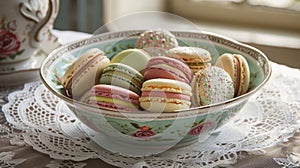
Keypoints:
pixel 190 54
pixel 154 106
pixel 156 42
pixel 167 85
pixel 211 85
pixel 84 72
pixel 135 58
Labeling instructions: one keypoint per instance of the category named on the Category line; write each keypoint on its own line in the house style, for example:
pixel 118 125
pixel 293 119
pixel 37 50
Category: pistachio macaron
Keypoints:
pixel 238 69
pixel 211 85
pixel 135 58
pixel 84 72
pixel 122 75
pixel 196 58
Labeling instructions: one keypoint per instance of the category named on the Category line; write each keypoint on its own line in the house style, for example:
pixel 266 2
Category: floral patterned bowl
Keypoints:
pixel 145 133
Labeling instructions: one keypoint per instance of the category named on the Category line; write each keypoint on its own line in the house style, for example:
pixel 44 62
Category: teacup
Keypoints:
pixel 24 26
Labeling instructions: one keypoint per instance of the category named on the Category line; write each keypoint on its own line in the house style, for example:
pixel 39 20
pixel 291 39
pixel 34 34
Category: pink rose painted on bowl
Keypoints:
pixel 9 44
pixel 202 127
pixel 144 132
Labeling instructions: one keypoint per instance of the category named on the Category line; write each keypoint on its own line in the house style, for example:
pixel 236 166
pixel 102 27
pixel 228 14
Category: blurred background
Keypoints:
pixel 272 26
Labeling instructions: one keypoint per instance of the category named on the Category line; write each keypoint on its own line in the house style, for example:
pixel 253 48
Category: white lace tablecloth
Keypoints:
pixel 38 130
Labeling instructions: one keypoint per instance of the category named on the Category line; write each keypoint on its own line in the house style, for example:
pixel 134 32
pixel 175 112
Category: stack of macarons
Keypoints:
pixel 156 76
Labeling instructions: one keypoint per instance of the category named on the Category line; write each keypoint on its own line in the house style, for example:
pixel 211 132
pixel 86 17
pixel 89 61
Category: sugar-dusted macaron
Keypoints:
pixel 113 98
pixel 123 76
pixel 237 67
pixel 136 58
pixel 165 95
pixel 169 68
pixel 211 85
pixel 156 42
pixel 84 72
pixel 196 58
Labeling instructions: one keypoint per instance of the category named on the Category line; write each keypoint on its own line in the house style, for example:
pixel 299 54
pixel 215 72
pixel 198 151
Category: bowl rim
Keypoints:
pixel 194 111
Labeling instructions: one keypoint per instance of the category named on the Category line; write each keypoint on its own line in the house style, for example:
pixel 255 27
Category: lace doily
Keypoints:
pixel 44 122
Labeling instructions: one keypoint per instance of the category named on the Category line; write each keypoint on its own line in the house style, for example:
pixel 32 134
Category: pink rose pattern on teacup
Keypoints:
pixel 9 42
pixel 202 127
pixel 143 132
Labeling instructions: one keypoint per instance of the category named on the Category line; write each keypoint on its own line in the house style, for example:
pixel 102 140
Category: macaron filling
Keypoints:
pixel 114 106
pixel 114 96
pixel 113 100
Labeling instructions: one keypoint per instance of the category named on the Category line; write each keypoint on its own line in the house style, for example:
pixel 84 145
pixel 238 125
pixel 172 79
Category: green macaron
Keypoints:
pixel 122 75
pixel 135 58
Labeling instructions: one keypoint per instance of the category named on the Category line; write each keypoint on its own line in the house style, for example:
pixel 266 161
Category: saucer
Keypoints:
pixel 18 73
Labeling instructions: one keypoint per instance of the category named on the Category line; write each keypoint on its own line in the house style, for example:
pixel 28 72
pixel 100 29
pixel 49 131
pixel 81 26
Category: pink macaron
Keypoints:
pixel 167 68
pixel 113 98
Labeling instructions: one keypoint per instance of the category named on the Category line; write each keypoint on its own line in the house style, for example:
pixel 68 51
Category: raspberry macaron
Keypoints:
pixel 113 98
pixel 168 68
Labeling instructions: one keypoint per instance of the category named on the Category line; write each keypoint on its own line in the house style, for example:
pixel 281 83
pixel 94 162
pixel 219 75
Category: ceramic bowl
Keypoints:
pixel 145 133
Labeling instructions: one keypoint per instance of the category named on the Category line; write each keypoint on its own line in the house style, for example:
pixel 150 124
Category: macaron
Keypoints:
pixel 168 68
pixel 156 42
pixel 113 98
pixel 196 58
pixel 123 76
pixel 165 95
pixel 211 85
pixel 135 58
pixel 238 69
pixel 84 72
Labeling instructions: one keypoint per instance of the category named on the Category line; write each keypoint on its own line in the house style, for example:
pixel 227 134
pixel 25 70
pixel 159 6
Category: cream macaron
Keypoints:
pixel 84 72
pixel 238 69
pixel 165 95
pixel 196 58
